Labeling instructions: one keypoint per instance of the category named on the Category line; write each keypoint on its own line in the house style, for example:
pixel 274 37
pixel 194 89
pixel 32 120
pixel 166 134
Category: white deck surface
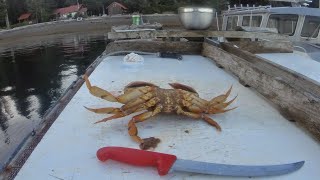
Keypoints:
pixel 296 62
pixel 253 134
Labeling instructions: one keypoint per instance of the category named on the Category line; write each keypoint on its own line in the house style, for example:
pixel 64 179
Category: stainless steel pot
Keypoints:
pixel 198 18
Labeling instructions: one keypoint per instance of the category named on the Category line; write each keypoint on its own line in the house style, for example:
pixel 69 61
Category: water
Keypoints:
pixel 32 78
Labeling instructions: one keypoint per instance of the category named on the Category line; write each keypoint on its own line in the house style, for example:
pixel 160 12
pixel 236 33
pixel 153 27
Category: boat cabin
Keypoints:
pixel 301 24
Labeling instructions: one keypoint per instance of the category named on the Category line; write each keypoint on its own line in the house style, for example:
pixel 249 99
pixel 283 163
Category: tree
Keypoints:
pixel 159 6
pixel 315 4
pixel 59 3
pixel 219 5
pixel 136 6
pixel 4 12
pixel 15 9
pixel 34 7
pixel 3 6
pixel 72 2
pixel 40 9
pixel 96 6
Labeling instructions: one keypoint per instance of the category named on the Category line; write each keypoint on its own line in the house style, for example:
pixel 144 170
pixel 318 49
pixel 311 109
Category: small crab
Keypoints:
pixel 151 100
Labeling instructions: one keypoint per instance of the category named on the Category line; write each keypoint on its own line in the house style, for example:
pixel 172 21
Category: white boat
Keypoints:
pixel 300 24
pixel 277 120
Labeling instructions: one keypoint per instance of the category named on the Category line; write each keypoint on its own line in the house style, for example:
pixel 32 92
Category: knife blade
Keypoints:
pixel 166 163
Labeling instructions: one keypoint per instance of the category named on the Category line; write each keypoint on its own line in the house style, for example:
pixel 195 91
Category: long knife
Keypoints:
pixel 166 163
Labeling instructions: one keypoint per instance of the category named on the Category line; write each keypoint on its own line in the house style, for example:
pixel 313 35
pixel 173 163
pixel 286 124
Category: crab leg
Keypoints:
pixel 152 102
pixel 195 100
pixel 124 98
pixel 192 107
pixel 98 92
pixel 107 110
pixel 139 84
pixel 201 101
pixel 183 87
pixel 133 94
pixel 211 122
pixel 133 130
pixel 138 101
pixel 129 111
pixel 115 116
pixel 120 114
pixel 186 113
pixel 198 116
pixel 110 110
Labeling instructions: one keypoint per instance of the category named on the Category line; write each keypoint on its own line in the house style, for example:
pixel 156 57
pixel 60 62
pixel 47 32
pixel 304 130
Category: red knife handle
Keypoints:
pixel 137 157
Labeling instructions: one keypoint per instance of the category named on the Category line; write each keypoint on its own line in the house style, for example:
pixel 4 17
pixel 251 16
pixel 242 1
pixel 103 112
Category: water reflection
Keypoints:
pixel 33 77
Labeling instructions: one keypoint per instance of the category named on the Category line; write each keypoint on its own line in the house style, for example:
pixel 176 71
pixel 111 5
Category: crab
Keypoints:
pixel 151 100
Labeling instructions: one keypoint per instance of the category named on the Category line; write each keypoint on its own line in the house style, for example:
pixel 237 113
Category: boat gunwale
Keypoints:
pixel 303 108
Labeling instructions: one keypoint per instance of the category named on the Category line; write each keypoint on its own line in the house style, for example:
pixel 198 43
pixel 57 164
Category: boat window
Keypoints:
pixel 285 23
pixel 256 21
pixel 232 22
pixel 311 26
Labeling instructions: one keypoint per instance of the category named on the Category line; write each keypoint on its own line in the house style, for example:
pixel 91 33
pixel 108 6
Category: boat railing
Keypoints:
pixel 246 8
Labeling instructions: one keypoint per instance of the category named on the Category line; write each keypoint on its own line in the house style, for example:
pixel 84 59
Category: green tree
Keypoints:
pixel 40 9
pixel 34 7
pixel 136 6
pixel 4 12
pixel 96 6
pixel 3 7
pixel 219 5
pixel 159 6
pixel 60 3
pixel 15 9
pixel 72 2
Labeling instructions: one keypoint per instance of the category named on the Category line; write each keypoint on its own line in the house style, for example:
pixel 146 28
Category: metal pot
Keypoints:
pixel 198 18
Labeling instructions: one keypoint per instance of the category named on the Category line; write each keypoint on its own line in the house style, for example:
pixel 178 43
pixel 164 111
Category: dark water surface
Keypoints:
pixel 32 78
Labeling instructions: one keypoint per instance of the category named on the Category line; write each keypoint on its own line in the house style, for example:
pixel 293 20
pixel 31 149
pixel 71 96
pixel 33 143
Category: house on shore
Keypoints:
pixel 24 17
pixel 70 11
pixel 116 8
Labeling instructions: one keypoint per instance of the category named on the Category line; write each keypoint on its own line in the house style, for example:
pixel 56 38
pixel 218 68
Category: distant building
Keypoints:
pixel 70 11
pixel 24 17
pixel 116 8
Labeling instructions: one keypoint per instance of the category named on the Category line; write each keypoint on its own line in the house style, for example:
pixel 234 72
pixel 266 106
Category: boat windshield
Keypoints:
pixel 232 22
pixel 285 23
pixel 311 27
pixel 255 21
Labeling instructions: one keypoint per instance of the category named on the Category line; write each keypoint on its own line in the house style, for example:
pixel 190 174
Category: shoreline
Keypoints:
pixel 25 35
pixel 89 25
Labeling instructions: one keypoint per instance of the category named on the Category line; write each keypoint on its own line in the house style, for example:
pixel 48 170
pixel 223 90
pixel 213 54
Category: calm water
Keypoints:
pixel 32 78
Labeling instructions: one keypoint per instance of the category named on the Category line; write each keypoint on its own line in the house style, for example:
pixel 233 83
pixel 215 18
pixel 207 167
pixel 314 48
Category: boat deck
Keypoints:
pixel 253 134
pixel 296 62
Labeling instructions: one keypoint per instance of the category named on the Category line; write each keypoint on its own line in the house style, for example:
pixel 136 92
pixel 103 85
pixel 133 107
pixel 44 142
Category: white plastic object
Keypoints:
pixel 133 59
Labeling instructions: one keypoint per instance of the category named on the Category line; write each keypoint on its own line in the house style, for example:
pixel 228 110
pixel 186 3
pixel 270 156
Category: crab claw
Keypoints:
pixel 148 143
pixel 220 99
